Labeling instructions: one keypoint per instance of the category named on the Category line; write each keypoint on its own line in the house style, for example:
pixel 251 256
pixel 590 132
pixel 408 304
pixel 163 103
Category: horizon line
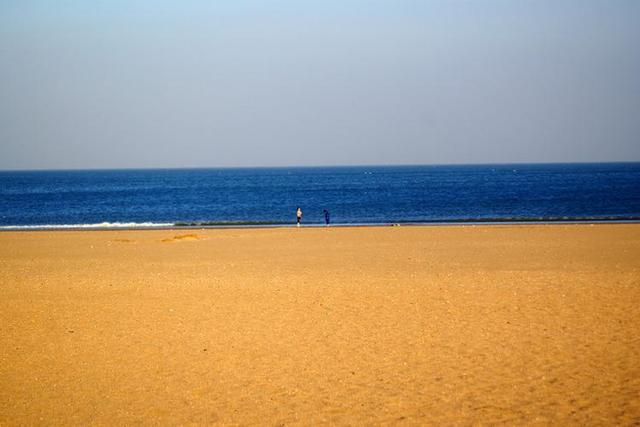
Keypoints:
pixel 81 169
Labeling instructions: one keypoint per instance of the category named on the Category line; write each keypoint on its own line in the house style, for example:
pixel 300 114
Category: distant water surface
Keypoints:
pixel 364 195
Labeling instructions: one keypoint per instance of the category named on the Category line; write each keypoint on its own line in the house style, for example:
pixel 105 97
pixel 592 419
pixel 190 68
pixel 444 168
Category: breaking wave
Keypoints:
pixel 92 226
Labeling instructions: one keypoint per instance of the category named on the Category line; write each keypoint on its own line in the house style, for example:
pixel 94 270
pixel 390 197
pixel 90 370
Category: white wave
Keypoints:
pixel 100 225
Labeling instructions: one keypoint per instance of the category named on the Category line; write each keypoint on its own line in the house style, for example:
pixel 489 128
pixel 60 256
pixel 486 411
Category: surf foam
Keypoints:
pixel 99 225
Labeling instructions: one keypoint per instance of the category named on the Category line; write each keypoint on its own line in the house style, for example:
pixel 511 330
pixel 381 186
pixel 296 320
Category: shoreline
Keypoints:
pixel 253 225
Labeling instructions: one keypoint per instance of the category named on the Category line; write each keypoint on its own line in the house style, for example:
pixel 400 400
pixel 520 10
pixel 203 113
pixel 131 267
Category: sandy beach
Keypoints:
pixel 521 324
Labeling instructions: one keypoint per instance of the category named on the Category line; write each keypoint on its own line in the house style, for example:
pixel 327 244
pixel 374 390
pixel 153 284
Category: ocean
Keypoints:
pixel 352 195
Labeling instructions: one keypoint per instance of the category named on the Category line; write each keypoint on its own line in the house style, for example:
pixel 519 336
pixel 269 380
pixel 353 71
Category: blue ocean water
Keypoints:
pixel 376 194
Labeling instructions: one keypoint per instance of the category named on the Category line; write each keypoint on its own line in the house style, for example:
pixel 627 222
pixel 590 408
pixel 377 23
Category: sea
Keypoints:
pixel 139 198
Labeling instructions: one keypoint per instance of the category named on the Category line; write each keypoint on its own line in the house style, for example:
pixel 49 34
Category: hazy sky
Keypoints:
pixel 89 84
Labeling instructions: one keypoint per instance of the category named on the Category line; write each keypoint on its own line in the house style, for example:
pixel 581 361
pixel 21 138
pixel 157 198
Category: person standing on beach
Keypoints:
pixel 299 215
pixel 326 217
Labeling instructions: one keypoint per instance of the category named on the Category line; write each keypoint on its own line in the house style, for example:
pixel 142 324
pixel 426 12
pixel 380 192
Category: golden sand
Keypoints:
pixel 408 325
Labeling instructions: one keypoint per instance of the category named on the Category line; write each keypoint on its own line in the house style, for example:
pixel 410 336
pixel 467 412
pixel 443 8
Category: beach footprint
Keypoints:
pixel 123 241
pixel 182 238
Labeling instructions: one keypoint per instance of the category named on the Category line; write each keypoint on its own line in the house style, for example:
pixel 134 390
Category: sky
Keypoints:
pixel 130 83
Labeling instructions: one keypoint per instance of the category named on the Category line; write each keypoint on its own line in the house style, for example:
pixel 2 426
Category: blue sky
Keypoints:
pixel 269 83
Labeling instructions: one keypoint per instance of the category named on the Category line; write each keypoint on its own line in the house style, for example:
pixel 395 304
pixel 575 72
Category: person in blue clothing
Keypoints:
pixel 327 217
